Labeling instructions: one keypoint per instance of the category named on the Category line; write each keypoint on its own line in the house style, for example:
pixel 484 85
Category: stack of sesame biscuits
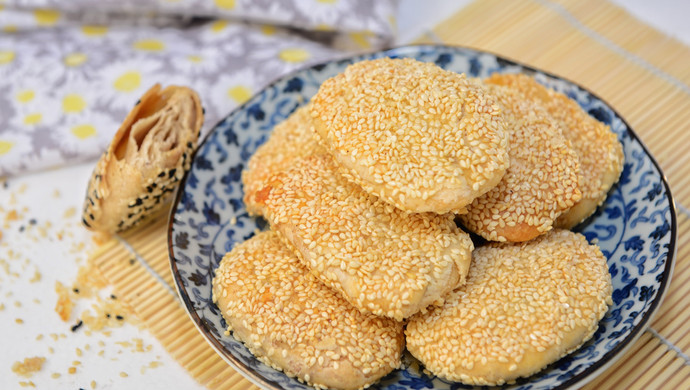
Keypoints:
pixel 362 188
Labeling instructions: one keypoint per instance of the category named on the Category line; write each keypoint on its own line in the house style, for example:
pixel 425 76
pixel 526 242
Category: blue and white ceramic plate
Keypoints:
pixel 635 228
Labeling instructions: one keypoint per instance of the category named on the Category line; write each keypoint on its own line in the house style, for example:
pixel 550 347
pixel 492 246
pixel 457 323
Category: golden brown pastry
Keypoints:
pixel 524 306
pixel 292 322
pixel 147 157
pixel 417 136
pixel 381 259
pixel 541 183
pixel 290 141
pixel 599 152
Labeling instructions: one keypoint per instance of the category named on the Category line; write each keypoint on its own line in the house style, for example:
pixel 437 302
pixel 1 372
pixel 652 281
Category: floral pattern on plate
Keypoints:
pixel 635 227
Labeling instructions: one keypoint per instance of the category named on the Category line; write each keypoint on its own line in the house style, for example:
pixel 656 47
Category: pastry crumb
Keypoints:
pixel 29 366
pixel 70 212
pixel 11 215
pixel 64 303
pixel 36 278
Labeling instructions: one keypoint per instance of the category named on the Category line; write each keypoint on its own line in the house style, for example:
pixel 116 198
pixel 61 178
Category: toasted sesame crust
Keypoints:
pixel 292 322
pixel 383 260
pixel 524 306
pixel 290 141
pixel 541 183
pixel 148 156
pixel 417 136
pixel 599 152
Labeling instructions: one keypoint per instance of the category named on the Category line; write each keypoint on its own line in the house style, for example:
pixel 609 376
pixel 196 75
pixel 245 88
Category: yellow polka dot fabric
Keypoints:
pixel 68 77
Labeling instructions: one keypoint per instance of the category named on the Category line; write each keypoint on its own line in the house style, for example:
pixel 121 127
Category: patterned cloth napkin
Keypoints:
pixel 70 70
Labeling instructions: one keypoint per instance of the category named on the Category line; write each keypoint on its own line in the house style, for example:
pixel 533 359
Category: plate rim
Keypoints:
pixel 579 380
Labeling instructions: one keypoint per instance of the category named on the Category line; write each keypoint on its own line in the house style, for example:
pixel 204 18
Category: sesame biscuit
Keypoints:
pixel 541 183
pixel 597 147
pixel 417 136
pixel 381 259
pixel 290 140
pixel 292 322
pixel 523 307
pixel 148 156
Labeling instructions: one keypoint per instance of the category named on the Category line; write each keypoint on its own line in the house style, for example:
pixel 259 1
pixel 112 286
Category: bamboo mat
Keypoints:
pixel 642 73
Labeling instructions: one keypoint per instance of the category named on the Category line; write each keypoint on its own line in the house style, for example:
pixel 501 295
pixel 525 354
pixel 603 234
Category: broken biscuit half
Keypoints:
pixel 146 159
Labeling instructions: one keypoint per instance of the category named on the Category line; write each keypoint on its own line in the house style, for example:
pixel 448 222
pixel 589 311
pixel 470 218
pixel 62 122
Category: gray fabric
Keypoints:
pixel 68 78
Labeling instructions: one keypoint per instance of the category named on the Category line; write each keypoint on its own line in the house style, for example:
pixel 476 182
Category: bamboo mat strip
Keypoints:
pixel 639 71
pixel 158 309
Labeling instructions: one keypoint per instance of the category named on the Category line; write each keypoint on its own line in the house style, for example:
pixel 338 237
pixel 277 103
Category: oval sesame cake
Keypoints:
pixel 292 322
pixel 541 182
pixel 383 260
pixel 417 136
pixel 524 306
pixel 291 140
pixel 599 152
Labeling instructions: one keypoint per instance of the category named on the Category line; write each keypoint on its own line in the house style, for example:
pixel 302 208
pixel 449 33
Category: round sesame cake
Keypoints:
pixel 524 306
pixel 597 147
pixel 381 259
pixel 541 182
pixel 415 135
pixel 292 322
pixel 291 140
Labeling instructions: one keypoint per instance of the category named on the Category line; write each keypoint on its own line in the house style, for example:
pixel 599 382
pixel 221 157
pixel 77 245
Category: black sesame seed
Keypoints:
pixel 77 325
pixel 132 261
pixel 137 103
pixel 107 315
pixel 112 296
pixel 91 216
pixel 32 221
pixel 119 317
pixel 203 110
pixel 135 203
pixel 76 290
pixel 85 223
pixel 161 174
pixel 171 173
pixel 21 229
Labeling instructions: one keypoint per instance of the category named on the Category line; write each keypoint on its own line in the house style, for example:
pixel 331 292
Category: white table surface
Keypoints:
pixel 51 196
